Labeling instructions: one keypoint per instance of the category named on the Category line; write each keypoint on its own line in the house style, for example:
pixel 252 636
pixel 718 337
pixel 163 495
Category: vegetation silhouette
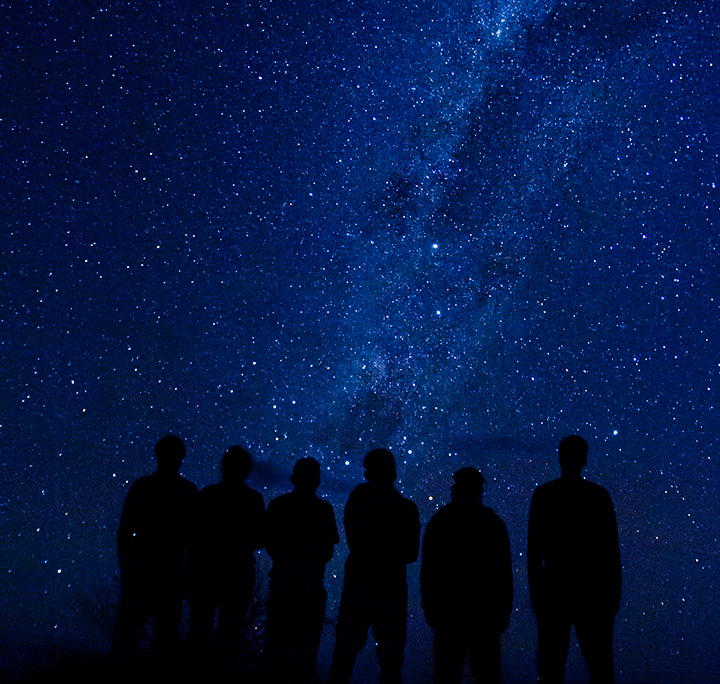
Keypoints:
pixel 80 664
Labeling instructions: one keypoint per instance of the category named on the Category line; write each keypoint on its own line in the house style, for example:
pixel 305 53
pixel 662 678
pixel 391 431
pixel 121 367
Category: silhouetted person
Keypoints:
pixel 226 530
pixel 466 583
pixel 300 537
pixel 383 533
pixel 151 545
pixel 574 568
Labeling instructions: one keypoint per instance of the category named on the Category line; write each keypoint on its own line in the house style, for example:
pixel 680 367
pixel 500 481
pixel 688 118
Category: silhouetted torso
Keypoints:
pixel 573 550
pixel 466 573
pixel 383 533
pixel 154 526
pixel 301 533
pixel 227 528
pixel 151 543
pixel 575 575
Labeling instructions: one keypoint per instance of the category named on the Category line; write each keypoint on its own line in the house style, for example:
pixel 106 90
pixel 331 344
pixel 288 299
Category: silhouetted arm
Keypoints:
pixel 271 531
pixel 326 544
pixel 360 524
pixel 412 549
pixel 256 526
pixel 535 550
pixel 351 523
pixel 430 572
pixel 127 529
pixel 615 565
pixel 506 579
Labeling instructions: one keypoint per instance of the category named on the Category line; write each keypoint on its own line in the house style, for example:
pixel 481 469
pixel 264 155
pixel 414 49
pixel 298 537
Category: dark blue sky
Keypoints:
pixel 458 230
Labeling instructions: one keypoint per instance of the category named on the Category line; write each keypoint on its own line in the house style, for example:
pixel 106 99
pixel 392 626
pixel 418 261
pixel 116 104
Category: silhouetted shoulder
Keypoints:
pixel 573 543
pixel 190 489
pixel 580 484
pixel 367 492
pixel 157 497
pixel 494 518
pixel 466 566
pixel 227 526
pixel 288 501
pixel 281 502
pixel 300 518
pixel 234 494
pixel 382 525
pixel 410 505
pixel 326 506
pixel 292 500
pixel 362 491
pixel 142 484
pixel 569 494
pixel 477 510
pixel 495 523
pixel 455 528
pixel 254 496
pixel 152 484
pixel 154 523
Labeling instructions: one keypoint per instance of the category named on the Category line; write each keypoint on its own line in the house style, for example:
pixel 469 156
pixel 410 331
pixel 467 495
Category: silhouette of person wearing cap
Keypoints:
pixel 151 543
pixel 300 537
pixel 383 533
pixel 466 583
pixel 574 568
pixel 226 530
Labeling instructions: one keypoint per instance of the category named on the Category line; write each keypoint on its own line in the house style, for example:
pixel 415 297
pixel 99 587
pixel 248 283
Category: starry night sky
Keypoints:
pixel 459 230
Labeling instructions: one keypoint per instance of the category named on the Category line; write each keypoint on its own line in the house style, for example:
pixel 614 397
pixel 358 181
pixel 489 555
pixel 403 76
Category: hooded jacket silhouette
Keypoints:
pixel 466 570
pixel 466 583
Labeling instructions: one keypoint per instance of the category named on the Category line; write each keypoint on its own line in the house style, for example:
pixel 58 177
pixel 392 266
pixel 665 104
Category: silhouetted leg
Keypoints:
pixel 595 636
pixel 390 632
pixel 232 612
pixel 553 628
pixel 203 606
pixel 133 613
pixel 281 619
pixel 307 629
pixel 354 619
pixel 484 656
pixel 167 611
pixel 449 655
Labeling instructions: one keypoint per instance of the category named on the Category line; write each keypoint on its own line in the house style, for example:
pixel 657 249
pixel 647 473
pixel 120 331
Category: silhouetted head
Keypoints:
pixel 468 484
pixel 572 453
pixel 306 475
pixel 380 467
pixel 236 464
pixel 169 452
